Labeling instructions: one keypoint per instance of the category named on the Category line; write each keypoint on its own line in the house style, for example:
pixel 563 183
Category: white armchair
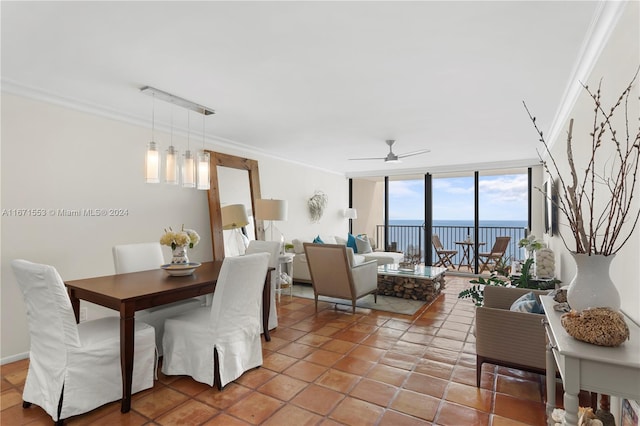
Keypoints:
pixel 74 368
pixel 335 274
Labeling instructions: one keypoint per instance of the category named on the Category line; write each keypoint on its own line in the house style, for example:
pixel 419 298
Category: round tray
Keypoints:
pixel 180 270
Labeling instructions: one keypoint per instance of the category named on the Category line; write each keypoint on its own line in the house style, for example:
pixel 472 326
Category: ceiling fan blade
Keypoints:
pixel 369 158
pixel 409 154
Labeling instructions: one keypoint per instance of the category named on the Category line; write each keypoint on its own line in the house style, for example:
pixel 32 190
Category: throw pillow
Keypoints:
pixel 297 246
pixel 362 242
pixel 527 303
pixel 340 240
pixel 328 239
pixel 318 240
pixel 351 242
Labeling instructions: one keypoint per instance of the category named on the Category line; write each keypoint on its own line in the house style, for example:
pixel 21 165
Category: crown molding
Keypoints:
pixel 603 23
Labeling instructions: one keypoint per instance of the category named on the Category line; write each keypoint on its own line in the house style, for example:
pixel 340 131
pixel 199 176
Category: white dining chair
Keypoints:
pixel 144 257
pixel 74 368
pixel 273 248
pixel 216 344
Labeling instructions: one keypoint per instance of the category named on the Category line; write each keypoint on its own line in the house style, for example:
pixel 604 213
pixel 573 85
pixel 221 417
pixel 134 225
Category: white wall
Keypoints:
pixel 58 158
pixel 616 66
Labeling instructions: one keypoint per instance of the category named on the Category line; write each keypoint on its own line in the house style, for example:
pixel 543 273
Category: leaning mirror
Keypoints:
pixel 239 164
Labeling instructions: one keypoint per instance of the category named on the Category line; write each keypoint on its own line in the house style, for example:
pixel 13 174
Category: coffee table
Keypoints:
pixel 418 283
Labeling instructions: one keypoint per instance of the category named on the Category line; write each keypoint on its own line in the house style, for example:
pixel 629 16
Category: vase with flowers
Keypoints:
pixel 596 198
pixel 180 241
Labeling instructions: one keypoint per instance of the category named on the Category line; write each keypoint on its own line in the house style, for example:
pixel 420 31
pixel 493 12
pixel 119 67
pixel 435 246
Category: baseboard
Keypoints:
pixel 14 358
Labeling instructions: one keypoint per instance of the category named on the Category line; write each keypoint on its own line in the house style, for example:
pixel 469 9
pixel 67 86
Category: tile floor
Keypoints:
pixel 333 368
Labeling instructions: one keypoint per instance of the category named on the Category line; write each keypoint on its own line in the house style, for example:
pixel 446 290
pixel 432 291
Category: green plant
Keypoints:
pixel 524 280
pixel 503 266
pixel 476 292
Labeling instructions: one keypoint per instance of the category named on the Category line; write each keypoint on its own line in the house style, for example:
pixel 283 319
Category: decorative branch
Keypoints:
pixel 599 230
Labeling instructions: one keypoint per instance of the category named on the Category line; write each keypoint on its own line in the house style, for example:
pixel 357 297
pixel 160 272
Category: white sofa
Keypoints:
pixel 301 268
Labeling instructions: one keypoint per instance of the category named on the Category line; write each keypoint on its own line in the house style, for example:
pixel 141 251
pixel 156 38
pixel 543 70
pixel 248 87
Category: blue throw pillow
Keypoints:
pixel 318 240
pixel 527 303
pixel 351 242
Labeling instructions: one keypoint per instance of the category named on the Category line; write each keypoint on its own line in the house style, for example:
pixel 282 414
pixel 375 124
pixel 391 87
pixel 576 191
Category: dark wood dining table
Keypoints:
pixel 128 293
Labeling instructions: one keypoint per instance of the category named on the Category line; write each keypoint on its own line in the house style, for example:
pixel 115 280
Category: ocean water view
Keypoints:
pixel 409 235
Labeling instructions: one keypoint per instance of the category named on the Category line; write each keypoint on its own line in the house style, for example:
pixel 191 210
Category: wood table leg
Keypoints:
pixel 127 341
pixel 266 305
pixel 551 383
pixel 75 304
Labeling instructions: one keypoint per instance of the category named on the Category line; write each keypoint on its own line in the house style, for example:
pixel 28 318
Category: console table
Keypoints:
pixel 601 369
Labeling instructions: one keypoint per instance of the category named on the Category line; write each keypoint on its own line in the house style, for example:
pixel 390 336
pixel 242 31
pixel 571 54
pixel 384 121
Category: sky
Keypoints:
pixel 502 197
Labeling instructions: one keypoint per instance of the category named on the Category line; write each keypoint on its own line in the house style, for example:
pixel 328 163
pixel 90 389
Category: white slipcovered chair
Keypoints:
pixel 216 344
pixel 334 273
pixel 273 248
pixel 144 257
pixel 74 368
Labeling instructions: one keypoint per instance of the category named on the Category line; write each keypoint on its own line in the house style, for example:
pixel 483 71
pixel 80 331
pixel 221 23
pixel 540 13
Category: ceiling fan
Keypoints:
pixel 391 157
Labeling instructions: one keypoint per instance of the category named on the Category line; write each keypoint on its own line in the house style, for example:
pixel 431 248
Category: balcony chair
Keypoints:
pixel 74 368
pixel 335 274
pixel 498 250
pixel 216 344
pixel 144 257
pixel 444 256
pixel 273 248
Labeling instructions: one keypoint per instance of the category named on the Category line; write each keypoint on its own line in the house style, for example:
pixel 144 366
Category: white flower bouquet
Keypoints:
pixel 185 237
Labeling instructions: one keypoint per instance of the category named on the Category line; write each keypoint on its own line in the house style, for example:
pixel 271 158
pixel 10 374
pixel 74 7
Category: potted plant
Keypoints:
pixel 596 197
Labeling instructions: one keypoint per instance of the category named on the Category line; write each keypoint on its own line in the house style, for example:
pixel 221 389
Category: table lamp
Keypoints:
pixel 234 216
pixel 268 209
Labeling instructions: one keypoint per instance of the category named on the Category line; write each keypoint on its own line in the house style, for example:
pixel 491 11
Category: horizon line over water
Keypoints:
pixel 483 223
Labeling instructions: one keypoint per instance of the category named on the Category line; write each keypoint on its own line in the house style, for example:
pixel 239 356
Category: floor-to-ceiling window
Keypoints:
pixel 453 210
pixel 503 210
pixel 406 217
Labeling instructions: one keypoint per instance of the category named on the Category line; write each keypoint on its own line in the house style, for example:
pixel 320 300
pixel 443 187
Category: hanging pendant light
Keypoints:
pixel 152 158
pixel 188 162
pixel 204 175
pixel 171 160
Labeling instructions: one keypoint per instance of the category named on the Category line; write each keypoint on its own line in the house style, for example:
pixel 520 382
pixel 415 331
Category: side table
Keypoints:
pixel 601 369
pixel 285 266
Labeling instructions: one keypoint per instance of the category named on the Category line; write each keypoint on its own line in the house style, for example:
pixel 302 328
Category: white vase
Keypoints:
pixel 180 255
pixel 592 286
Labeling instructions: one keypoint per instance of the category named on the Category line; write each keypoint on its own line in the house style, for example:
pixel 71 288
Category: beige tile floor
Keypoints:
pixel 333 368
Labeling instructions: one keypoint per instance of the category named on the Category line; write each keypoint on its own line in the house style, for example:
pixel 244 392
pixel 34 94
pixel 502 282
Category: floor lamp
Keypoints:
pixel 234 217
pixel 351 214
pixel 267 209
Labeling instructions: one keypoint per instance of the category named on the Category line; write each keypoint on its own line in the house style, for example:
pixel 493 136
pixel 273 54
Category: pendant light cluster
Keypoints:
pixel 194 170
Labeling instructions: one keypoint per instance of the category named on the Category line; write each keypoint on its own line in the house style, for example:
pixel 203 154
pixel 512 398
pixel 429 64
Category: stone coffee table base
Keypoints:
pixel 410 286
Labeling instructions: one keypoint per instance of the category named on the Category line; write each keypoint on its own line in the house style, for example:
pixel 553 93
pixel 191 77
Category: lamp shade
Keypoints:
pixel 234 216
pixel 350 213
pixel 152 163
pixel 271 209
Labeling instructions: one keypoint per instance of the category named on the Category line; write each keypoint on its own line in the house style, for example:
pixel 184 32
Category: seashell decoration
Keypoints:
pixel 545 263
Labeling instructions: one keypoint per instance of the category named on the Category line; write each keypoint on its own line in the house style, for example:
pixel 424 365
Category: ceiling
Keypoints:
pixel 313 82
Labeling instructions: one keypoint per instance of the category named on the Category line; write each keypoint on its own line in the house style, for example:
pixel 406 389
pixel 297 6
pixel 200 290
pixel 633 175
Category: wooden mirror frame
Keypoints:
pixel 215 212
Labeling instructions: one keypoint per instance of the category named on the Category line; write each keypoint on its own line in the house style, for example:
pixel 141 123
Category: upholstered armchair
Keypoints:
pixel 508 338
pixel 335 274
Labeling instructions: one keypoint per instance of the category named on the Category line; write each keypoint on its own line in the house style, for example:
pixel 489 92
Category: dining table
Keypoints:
pixel 131 292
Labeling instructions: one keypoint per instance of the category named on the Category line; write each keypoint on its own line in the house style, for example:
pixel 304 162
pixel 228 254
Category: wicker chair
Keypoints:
pixel 508 338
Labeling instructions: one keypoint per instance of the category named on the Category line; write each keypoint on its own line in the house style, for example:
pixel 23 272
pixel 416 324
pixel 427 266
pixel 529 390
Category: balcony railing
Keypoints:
pixel 409 239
